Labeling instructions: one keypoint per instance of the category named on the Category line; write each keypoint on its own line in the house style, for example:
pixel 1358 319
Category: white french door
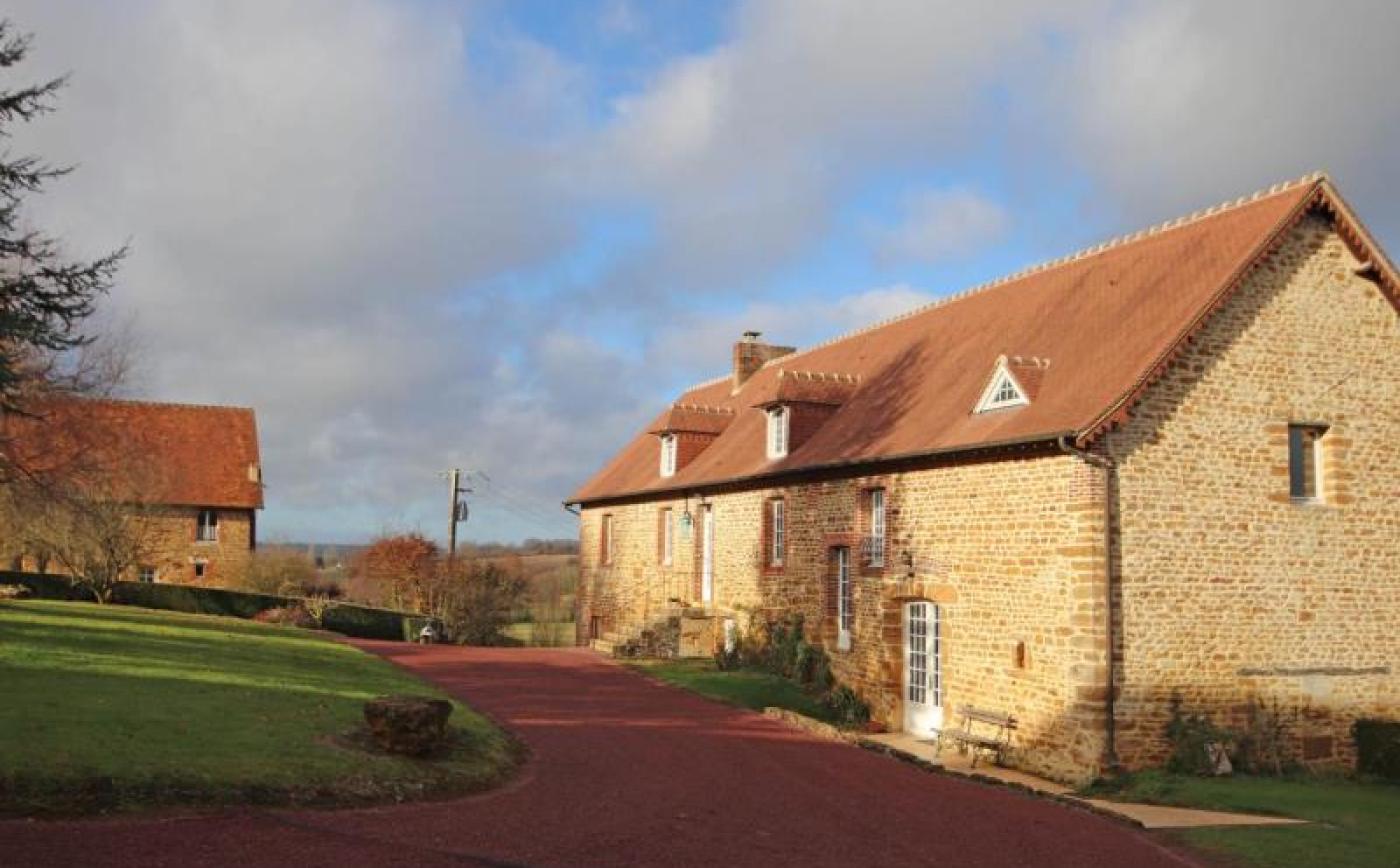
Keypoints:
pixel 923 669
pixel 707 554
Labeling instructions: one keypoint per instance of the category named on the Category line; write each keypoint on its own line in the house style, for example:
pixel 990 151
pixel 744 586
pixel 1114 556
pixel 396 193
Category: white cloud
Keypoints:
pixel 701 345
pixel 936 225
pixel 1174 106
pixel 744 152
pixel 330 202
pixel 307 188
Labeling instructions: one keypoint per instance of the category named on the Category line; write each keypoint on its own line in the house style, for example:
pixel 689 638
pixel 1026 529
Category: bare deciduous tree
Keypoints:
pixel 97 535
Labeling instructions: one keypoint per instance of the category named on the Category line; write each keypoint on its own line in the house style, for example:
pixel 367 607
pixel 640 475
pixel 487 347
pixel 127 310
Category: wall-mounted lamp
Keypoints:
pixel 687 520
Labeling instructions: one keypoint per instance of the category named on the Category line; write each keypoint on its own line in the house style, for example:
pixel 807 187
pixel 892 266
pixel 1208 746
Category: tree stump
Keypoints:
pixel 408 725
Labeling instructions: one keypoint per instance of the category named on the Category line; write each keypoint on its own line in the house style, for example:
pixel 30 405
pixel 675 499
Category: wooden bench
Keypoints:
pixel 980 731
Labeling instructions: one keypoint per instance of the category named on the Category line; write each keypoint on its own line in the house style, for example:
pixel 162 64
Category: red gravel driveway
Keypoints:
pixel 624 771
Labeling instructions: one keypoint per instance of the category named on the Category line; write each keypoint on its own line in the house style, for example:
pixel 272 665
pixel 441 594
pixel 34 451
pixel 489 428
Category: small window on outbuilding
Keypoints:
pixel 207 528
pixel 605 542
pixel 1305 461
pixel 201 568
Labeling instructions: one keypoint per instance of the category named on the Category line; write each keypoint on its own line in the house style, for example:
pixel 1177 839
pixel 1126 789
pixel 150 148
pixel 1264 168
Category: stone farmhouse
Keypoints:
pixel 190 473
pixel 1167 467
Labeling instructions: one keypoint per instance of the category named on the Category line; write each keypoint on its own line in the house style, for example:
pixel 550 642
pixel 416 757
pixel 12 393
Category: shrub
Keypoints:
pixel 291 616
pixel 1262 747
pixel 276 571
pixel 1377 747
pixel 324 589
pixel 196 599
pixel 366 622
pixel 477 601
pixel 729 659
pixel 847 706
pixel 46 587
pixel 347 619
pixel 1191 737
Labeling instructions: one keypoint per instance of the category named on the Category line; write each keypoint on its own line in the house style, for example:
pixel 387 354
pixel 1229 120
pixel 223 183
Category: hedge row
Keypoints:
pixel 349 619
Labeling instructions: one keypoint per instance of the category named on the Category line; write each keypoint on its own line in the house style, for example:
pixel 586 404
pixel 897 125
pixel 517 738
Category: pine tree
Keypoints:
pixel 44 295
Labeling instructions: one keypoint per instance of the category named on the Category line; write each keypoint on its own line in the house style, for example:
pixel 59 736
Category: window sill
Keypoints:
pixel 774 569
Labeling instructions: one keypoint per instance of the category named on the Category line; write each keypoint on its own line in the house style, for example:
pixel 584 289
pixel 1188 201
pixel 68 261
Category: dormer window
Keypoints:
pixel 778 432
pixel 668 455
pixel 1002 392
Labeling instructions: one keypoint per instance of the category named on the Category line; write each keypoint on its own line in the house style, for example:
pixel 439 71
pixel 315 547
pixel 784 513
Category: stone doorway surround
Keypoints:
pixel 895 594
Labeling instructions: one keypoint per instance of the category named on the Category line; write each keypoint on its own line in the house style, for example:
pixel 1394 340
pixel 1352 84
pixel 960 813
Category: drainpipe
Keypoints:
pixel 1105 464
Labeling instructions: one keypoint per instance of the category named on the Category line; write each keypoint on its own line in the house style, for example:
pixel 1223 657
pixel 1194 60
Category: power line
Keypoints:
pixel 524 502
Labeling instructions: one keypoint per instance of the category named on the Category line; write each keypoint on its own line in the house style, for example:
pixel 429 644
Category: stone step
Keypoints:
pixel 602 645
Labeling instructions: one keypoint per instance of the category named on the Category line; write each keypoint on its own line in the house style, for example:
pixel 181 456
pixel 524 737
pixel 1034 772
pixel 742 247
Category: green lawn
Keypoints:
pixel 114 707
pixel 1356 824
pixel 747 688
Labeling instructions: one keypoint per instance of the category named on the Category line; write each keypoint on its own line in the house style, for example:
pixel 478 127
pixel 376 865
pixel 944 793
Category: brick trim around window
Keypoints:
pixel 770 516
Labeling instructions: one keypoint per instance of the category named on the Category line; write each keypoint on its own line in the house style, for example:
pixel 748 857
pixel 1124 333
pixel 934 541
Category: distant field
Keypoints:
pixel 116 707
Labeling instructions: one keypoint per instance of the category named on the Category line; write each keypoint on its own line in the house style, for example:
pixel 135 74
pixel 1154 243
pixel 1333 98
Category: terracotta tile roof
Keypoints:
pixel 1111 318
pixel 692 418
pixel 179 454
pixel 803 387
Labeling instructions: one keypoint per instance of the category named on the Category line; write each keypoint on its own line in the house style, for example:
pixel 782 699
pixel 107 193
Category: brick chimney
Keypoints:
pixel 750 355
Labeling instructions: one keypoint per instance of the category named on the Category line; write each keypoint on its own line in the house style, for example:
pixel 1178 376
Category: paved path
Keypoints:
pixel 626 772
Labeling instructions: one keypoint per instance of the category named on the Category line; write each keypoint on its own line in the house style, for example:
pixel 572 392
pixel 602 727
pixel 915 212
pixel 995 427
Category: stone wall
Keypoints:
pixel 1011 550
pixel 174 547
pixel 1230 591
pixel 170 540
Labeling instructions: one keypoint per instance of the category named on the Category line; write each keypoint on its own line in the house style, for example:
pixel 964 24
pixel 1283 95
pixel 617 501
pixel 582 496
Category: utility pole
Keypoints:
pixel 457 510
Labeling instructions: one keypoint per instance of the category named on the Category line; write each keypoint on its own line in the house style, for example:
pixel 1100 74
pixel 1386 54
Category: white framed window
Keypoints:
pixel 201 568
pixel 207 526
pixel 778 432
pixel 1305 461
pixel 668 455
pixel 845 608
pixel 668 540
pixel 876 553
pixel 146 574
pixel 1002 392
pixel 777 532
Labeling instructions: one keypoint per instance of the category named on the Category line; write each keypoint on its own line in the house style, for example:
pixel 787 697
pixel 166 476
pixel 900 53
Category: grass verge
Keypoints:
pixel 746 688
pixel 1354 822
pixel 117 708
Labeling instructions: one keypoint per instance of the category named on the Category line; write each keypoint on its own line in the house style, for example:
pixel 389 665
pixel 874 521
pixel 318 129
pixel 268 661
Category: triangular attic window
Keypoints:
pixel 1003 391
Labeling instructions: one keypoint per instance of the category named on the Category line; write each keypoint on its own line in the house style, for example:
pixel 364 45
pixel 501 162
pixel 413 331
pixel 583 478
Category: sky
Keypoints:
pixel 503 235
